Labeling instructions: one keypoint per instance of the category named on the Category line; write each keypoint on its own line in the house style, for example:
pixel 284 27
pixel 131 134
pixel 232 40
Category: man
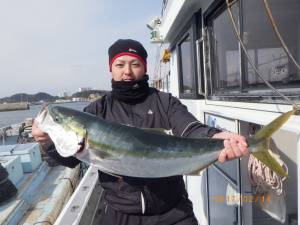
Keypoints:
pixel 145 201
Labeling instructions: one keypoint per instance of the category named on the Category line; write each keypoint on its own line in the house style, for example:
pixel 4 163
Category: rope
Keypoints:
pixel 275 28
pixel 258 73
pixel 71 184
pixel 260 176
pixel 72 187
pixel 263 178
pixel 46 221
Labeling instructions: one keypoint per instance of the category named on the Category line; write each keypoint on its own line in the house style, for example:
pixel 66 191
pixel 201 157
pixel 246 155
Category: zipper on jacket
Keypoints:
pixel 143 203
pixel 131 116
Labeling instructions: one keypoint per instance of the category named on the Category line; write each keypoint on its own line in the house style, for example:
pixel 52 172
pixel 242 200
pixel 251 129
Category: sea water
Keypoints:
pixel 14 117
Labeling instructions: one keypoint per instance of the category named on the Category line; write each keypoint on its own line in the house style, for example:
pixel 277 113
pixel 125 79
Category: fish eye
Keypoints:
pixel 56 119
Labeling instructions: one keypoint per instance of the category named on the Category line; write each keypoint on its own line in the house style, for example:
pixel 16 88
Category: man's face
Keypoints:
pixel 127 68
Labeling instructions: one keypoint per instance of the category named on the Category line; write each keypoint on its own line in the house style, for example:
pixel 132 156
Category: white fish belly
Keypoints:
pixel 149 167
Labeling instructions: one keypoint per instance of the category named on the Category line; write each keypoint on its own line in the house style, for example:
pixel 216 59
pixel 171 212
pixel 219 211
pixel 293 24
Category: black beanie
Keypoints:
pixel 127 47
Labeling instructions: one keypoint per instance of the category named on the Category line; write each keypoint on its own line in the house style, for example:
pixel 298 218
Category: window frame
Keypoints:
pixel 258 93
pixel 193 29
pixel 217 8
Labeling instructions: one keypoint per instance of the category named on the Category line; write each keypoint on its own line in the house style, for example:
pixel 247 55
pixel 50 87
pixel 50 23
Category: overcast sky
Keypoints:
pixel 60 45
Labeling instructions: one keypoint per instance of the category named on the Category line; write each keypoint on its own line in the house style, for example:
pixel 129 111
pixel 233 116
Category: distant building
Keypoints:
pixel 63 94
pixel 94 97
pixel 81 89
pixel 79 99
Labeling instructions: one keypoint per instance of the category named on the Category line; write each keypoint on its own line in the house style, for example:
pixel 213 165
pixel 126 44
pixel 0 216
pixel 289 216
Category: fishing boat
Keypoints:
pixel 39 189
pixel 235 64
pixel 201 60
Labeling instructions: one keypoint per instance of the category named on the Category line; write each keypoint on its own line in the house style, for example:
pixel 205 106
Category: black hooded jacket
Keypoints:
pixel 147 196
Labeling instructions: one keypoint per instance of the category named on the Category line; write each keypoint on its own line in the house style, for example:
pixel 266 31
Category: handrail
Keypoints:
pixel 73 211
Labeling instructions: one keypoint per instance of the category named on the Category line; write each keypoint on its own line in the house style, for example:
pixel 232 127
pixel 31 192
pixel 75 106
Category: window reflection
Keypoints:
pixel 225 57
pixel 220 212
pixel 186 65
pixel 263 45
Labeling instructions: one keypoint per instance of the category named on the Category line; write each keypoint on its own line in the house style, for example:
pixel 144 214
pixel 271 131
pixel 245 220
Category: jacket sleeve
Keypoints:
pixel 185 124
pixel 97 107
pixel 65 161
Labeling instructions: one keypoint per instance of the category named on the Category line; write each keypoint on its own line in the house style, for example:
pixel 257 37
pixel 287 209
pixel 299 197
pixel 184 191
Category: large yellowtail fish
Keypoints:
pixel 129 151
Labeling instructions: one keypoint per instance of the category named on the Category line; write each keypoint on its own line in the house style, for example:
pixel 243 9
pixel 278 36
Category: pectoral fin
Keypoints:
pixel 98 150
pixel 196 173
pixel 112 174
pixel 104 155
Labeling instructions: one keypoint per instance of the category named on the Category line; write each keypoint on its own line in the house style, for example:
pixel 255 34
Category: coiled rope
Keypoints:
pixel 260 175
pixel 263 178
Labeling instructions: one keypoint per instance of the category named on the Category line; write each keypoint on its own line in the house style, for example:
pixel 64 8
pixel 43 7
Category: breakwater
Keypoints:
pixel 14 106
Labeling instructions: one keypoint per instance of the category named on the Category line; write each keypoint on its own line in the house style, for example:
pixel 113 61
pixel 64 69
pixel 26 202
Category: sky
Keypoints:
pixel 60 45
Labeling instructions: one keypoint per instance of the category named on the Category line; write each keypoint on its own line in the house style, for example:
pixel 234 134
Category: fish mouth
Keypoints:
pixel 81 145
pixel 42 114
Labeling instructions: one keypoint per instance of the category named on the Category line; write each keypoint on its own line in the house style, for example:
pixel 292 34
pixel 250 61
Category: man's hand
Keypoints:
pixel 235 146
pixel 40 136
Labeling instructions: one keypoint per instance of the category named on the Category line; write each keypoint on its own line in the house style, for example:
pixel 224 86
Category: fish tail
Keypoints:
pixel 272 127
pixel 262 154
pixel 261 142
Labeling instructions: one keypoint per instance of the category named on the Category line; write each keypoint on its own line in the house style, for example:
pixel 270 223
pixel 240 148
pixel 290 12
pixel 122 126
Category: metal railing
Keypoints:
pixel 10 130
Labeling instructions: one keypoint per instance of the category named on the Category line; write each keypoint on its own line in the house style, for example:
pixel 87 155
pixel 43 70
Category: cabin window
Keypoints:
pixel 264 47
pixel 186 70
pixel 225 54
pixel 229 74
pixel 189 69
pixel 188 47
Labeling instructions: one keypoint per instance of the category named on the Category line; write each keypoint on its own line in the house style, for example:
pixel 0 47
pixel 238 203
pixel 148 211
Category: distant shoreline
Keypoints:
pixel 5 107
pixel 56 102
pixel 41 97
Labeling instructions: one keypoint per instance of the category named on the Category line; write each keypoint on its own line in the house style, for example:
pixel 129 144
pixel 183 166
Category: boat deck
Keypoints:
pixel 42 192
pixel 41 196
